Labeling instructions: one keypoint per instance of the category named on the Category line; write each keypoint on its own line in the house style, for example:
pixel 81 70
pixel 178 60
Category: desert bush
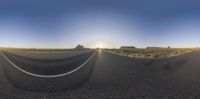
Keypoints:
pixel 155 53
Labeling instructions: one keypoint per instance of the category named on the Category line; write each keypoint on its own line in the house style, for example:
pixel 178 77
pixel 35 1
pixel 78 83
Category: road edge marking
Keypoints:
pixel 49 76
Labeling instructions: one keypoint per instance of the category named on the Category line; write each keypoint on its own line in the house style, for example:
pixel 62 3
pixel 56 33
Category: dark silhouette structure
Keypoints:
pixel 79 46
pixel 127 47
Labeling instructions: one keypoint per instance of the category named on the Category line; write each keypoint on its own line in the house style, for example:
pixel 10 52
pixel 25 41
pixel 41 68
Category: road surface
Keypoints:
pixel 120 77
pixel 49 66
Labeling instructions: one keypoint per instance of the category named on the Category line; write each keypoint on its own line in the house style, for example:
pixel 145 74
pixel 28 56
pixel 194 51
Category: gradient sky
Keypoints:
pixel 105 23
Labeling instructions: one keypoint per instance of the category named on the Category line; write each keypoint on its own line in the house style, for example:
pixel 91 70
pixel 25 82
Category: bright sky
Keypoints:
pixel 100 23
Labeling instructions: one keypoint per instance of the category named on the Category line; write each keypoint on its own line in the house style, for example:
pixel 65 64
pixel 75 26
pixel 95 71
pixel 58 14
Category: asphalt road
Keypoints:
pixel 48 66
pixel 50 55
pixel 121 77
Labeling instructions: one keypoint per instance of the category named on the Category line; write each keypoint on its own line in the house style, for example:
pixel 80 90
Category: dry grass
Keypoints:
pixel 153 53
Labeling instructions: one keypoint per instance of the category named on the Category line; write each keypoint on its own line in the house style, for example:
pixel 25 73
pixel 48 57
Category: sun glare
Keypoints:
pixel 100 45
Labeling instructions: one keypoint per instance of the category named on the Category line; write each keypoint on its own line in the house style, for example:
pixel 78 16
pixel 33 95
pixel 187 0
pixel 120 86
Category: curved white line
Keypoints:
pixel 48 76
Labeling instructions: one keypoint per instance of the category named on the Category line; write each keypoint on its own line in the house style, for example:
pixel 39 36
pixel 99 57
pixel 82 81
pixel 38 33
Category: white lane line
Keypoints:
pixel 48 76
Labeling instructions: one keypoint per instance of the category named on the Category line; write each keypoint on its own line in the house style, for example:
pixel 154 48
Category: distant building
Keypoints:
pixel 79 47
pixel 127 47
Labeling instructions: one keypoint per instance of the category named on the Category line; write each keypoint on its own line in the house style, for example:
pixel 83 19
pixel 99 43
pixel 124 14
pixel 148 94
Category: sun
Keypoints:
pixel 100 45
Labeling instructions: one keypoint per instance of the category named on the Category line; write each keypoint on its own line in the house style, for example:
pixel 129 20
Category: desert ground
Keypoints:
pixel 120 77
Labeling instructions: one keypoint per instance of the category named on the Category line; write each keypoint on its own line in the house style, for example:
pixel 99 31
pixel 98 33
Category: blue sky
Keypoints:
pixel 106 23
